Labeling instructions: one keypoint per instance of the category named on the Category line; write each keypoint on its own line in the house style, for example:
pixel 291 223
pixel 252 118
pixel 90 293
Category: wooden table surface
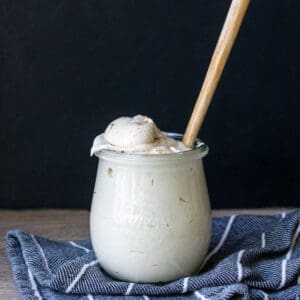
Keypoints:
pixel 62 225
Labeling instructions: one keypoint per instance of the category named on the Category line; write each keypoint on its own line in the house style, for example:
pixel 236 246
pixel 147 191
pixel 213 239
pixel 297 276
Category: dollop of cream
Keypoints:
pixel 137 134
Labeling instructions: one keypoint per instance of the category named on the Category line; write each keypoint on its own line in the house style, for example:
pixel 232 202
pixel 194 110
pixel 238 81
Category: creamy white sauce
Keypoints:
pixel 150 215
pixel 137 134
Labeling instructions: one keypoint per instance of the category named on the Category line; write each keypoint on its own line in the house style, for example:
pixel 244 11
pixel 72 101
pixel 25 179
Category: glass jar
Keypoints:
pixel 150 214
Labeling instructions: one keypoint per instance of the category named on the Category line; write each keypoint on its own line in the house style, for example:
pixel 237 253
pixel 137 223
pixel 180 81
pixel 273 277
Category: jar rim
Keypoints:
pixel 199 150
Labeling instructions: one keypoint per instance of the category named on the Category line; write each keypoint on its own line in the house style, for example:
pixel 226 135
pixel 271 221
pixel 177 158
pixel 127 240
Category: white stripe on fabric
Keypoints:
pixel 146 297
pixel 130 286
pixel 32 281
pixel 239 265
pixel 263 240
pixel 221 242
pixel 200 296
pixel 79 275
pixel 90 297
pixel 79 246
pixel 283 273
pixel 266 297
pixel 33 285
pixel 185 285
pixel 42 252
pixel 283 215
pixel 287 258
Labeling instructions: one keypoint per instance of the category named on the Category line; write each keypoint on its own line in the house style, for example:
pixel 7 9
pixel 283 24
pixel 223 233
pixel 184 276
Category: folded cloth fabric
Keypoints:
pixel 250 257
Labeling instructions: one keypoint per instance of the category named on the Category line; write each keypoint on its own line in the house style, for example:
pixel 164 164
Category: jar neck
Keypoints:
pixel 199 151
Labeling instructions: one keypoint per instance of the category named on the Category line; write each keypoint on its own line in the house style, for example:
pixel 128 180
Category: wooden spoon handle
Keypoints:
pixel 224 45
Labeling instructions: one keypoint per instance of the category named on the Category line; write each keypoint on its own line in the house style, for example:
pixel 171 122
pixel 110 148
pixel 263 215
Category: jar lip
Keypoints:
pixel 199 150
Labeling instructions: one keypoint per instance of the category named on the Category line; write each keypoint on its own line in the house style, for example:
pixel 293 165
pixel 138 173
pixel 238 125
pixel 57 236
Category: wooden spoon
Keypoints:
pixel 224 45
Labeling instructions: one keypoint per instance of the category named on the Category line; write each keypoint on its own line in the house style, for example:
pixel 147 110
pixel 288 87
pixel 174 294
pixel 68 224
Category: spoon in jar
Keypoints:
pixel 223 48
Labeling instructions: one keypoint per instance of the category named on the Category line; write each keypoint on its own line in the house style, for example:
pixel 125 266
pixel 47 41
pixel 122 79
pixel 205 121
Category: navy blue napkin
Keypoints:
pixel 250 257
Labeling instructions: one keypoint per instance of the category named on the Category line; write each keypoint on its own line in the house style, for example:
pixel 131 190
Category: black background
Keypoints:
pixel 69 67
